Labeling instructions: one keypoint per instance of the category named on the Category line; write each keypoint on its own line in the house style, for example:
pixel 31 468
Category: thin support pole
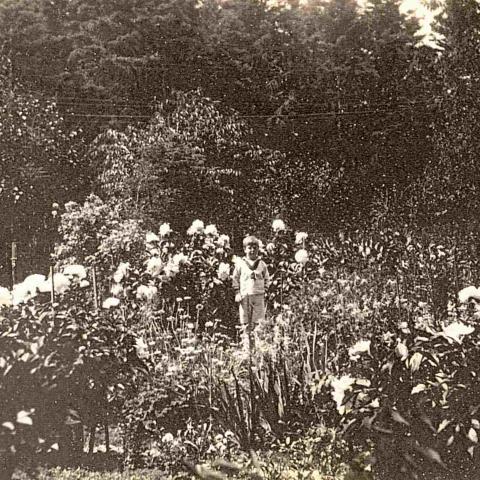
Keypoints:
pixel 14 263
pixel 52 292
pixel 95 291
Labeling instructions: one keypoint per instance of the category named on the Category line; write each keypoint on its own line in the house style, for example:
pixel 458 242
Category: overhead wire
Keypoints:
pixel 291 116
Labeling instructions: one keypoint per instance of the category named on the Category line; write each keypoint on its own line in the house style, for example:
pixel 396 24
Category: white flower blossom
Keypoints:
pixel 223 240
pixel 146 292
pixel 141 347
pixel 171 269
pixel 154 266
pixel 223 271
pixel 33 282
pixel 111 302
pixel 21 293
pixel 401 351
pixel 415 361
pixel 167 438
pixel 300 237
pixel 151 237
pixel 60 281
pixel 70 206
pixel 78 271
pixel 457 330
pixel 211 230
pixel 196 227
pixel 116 290
pixel 301 256
pixel 179 259
pixel 278 225
pixel 339 387
pixel 121 272
pixel 165 229
pixel 5 297
pixel 362 346
pixel 468 293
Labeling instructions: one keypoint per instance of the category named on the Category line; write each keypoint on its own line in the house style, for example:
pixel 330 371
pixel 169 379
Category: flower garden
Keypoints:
pixel 366 366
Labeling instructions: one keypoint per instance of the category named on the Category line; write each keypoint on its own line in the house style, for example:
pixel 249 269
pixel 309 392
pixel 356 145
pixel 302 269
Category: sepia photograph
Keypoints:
pixel 239 239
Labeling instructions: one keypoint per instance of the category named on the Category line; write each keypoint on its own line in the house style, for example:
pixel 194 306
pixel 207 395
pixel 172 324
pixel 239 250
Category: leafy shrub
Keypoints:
pixel 61 364
pixel 183 388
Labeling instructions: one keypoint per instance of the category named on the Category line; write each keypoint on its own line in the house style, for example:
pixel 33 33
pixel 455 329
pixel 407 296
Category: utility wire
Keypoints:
pixel 317 115
pixel 80 103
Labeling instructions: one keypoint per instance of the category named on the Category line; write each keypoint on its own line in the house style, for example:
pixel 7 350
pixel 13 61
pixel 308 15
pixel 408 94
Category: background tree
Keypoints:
pixel 451 187
pixel 40 164
pixel 192 160
pixel 338 90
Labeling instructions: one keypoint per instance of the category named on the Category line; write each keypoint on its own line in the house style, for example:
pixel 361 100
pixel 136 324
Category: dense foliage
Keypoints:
pixel 122 121
pixel 337 93
pixel 365 336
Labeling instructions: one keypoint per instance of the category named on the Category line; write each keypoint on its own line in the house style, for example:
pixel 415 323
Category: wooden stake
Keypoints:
pixel 95 292
pixel 14 263
pixel 52 293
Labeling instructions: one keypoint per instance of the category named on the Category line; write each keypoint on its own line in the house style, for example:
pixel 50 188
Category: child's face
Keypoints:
pixel 251 251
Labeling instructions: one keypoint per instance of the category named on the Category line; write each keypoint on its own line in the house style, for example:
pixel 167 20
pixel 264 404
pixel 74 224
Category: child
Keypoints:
pixel 250 281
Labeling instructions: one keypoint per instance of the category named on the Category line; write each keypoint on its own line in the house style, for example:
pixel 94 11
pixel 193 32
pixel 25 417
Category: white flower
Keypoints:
pixel 362 346
pixel 165 229
pixel 401 351
pixel 457 330
pixel 415 361
pixel 146 292
pixel 71 206
pixel 196 227
pixel 270 247
pixel 116 289
pixel 171 269
pixel 167 438
pixel 5 297
pixel 339 387
pixel 387 337
pixel 223 271
pixel 78 271
pixel 223 241
pixel 21 293
pixel 300 237
pixel 121 272
pixel 208 324
pixel 60 281
pixel 154 266
pixel 179 259
pixel 141 348
pixel 111 302
pixel 84 283
pixel 278 225
pixel 468 293
pixel 151 237
pixel 301 256
pixel 33 282
pixel 211 230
